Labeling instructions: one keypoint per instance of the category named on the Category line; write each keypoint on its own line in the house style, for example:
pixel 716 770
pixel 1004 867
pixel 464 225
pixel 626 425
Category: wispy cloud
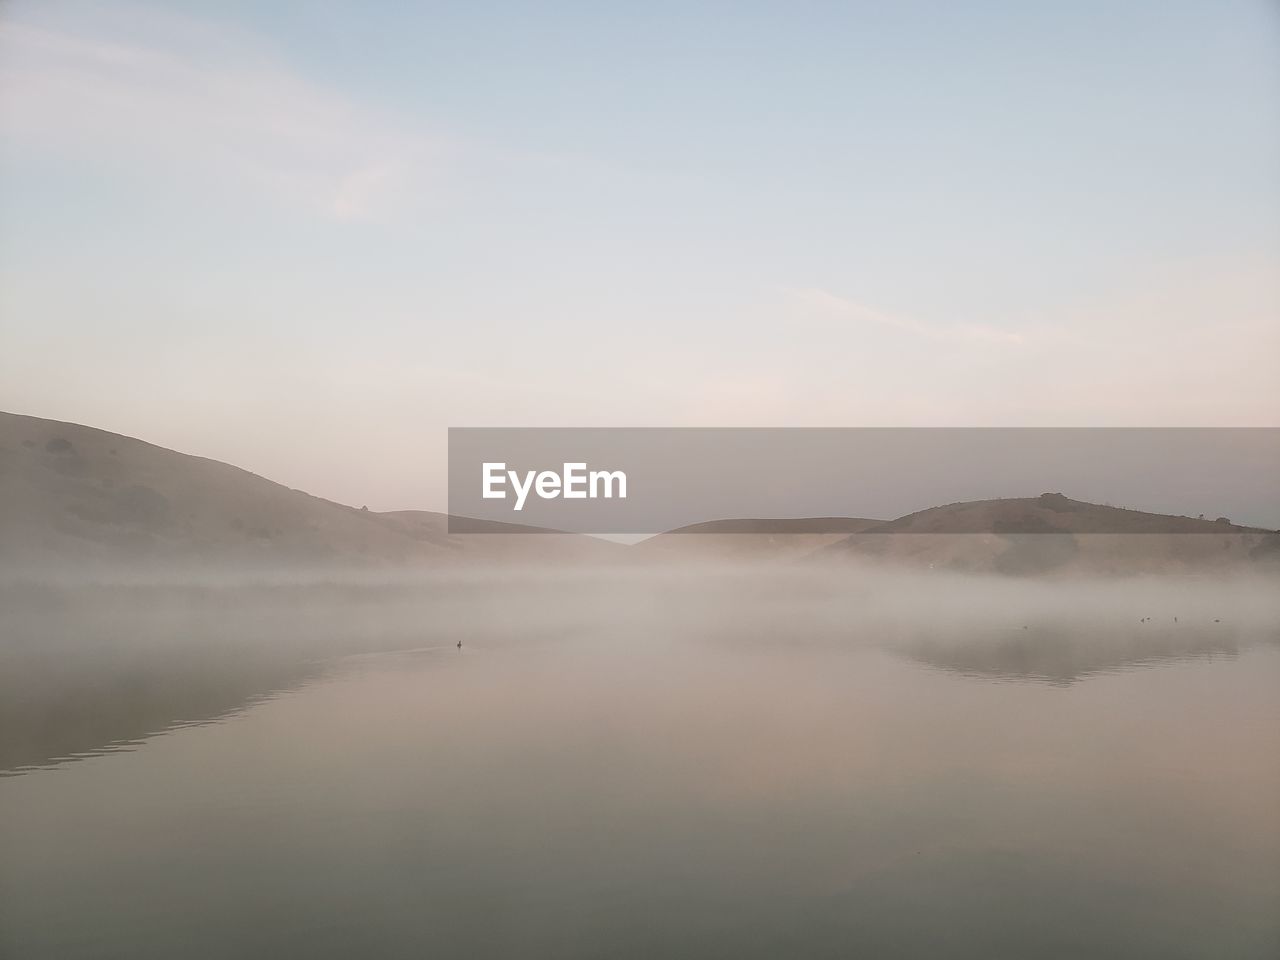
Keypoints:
pixel 187 99
pixel 828 305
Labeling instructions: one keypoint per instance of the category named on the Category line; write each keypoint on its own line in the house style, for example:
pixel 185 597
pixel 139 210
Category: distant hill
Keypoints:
pixel 820 526
pixel 75 496
pixel 1048 513
pixel 1005 536
pixel 747 539
pixel 494 541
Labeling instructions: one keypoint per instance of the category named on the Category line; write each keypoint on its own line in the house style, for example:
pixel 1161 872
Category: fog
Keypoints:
pixel 87 666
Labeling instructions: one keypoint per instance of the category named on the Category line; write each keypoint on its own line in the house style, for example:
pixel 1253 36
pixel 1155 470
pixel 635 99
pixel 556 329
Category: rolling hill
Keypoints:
pixel 75 496
pixel 745 539
pixel 1052 532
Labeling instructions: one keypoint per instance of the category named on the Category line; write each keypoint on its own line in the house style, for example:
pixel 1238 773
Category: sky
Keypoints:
pixel 308 237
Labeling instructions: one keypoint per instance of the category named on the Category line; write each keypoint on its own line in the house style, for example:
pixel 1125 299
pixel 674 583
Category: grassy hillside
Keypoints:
pixel 74 497
pixel 1053 532
pixel 73 494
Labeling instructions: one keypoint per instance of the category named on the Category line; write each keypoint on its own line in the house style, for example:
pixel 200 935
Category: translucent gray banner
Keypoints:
pixel 1070 480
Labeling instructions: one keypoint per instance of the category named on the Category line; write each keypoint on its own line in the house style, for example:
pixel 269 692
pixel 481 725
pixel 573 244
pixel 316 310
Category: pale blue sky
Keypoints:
pixel 307 237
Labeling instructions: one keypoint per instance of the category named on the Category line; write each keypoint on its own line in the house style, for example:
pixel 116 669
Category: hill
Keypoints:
pixel 493 541
pixel 1053 532
pixel 738 540
pixel 74 496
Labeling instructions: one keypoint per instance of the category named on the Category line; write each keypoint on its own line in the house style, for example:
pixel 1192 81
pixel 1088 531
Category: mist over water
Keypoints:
pixel 720 760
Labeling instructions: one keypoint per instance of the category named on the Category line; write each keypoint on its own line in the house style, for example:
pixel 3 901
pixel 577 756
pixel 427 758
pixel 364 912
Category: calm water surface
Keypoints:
pixel 619 789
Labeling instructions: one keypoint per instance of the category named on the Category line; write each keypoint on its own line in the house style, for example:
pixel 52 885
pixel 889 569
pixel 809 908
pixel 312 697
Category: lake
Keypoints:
pixel 712 765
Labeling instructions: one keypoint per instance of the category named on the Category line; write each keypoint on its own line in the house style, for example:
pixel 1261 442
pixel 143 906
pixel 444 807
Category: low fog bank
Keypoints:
pixel 87 665
pixel 358 607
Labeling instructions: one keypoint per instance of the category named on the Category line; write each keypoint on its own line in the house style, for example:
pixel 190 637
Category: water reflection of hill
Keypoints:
pixel 59 720
pixel 90 670
pixel 1058 655
pixel 75 688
